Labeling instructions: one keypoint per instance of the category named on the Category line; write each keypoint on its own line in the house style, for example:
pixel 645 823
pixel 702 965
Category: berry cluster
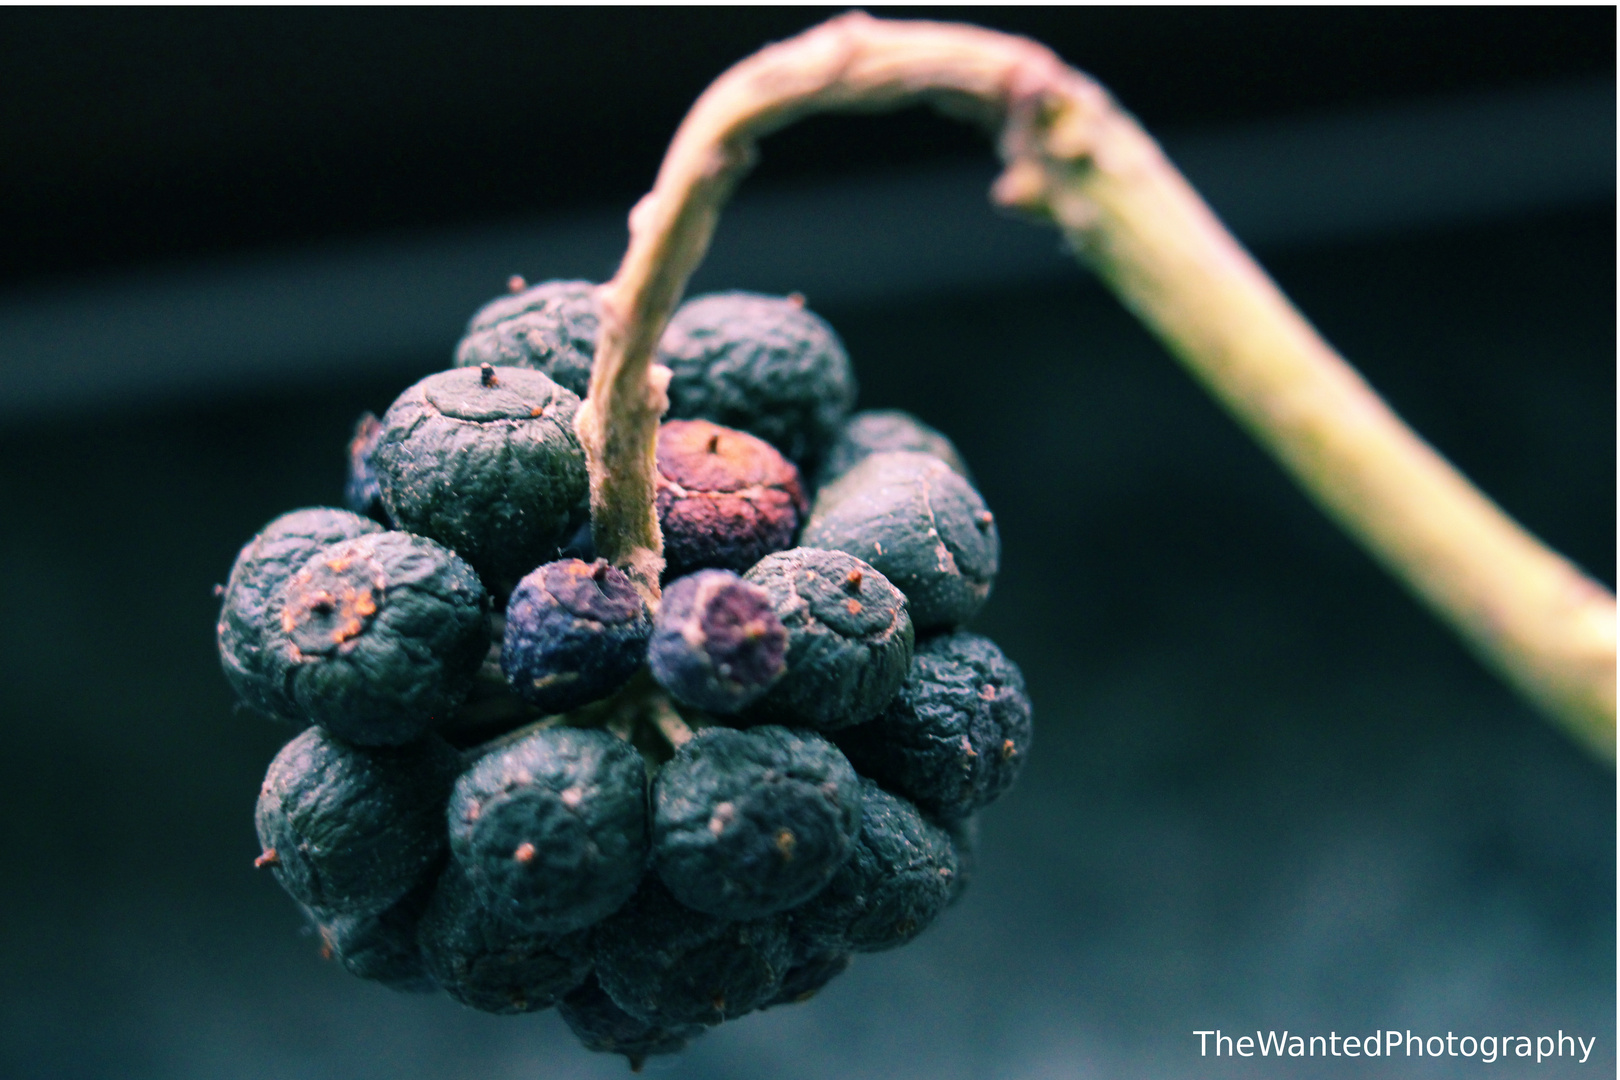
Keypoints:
pixel 520 785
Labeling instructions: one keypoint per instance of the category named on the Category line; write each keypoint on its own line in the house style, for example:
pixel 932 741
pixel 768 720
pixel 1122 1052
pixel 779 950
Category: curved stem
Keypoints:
pixel 1073 156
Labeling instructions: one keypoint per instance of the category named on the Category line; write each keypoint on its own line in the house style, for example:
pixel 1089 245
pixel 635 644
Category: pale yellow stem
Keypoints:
pixel 1074 156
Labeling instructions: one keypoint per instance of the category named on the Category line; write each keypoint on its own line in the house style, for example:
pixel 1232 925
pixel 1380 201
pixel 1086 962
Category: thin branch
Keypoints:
pixel 1074 157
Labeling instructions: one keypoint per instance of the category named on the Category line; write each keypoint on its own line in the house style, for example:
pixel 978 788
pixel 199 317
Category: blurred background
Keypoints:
pixel 1267 791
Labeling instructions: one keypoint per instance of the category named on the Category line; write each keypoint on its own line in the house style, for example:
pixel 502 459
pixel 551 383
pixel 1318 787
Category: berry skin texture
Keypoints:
pixel 878 431
pixel 666 964
pixel 361 492
pixel 378 638
pixel 805 979
pixel 575 633
pixel 724 498
pixel 550 328
pixel 252 605
pixel 957 734
pixel 716 643
pixel 485 461
pixel 749 823
pixel 552 830
pixel 603 1027
pixel 349 830
pixel 849 638
pixel 382 948
pixel 761 364
pixel 487 963
pixel 895 884
pixel 923 526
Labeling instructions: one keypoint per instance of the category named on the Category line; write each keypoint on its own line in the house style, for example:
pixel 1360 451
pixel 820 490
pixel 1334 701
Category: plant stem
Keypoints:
pixel 1074 157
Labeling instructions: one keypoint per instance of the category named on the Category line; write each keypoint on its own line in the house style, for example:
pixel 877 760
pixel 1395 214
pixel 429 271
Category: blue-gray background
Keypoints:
pixel 1267 789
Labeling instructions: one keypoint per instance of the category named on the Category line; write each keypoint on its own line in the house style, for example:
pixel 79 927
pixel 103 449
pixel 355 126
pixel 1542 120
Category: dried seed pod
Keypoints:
pixel 487 963
pixel 550 328
pixel 575 633
pixel 349 830
pixel 252 603
pixel 724 497
pixel 379 637
pixel 666 964
pixel 761 364
pixel 552 830
pixel 921 524
pixel 879 431
pixel 485 461
pixel 897 881
pixel 716 643
pixel 603 1027
pixel 849 638
pixel 956 735
pixel 748 823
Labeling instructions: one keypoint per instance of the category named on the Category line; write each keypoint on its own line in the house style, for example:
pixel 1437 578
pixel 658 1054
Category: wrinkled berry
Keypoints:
pixel 921 525
pixel 361 492
pixel 252 604
pixel 806 978
pixel 485 461
pixel 604 1028
pixel 724 498
pixel 849 638
pixel 485 962
pixel 575 632
pixel 747 823
pixel 716 643
pixel 550 328
pixel 878 431
pixel 666 964
pixel 761 364
pixel 383 947
pixel 552 829
pixel 349 830
pixel 379 637
pixel 896 882
pixel 957 734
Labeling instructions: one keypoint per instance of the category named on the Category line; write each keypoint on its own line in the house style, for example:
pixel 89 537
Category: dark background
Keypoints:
pixel 1267 791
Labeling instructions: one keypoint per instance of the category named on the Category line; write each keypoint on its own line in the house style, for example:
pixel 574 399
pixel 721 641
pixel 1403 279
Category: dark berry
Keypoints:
pixel 849 638
pixel 552 829
pixel 251 611
pixel 921 524
pixel 349 830
pixel 575 632
pixel 716 643
pixel 603 1027
pixel 896 882
pixel 724 498
pixel 666 964
pixel 485 962
pixel 761 364
pixel 485 461
pixel 747 823
pixel 361 492
pixel 383 947
pixel 550 327
pixel 378 638
pixel 957 734
pixel 878 431
pixel 806 978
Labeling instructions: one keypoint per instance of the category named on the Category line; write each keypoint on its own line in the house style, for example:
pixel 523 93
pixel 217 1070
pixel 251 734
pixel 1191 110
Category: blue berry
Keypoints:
pixel 349 830
pixel 666 964
pixel 603 1027
pixel 251 612
pixel 761 364
pixel 552 829
pixel 575 632
pixel 383 947
pixel 486 462
pixel 379 637
pixel 849 638
pixel 724 498
pixel 957 734
pixel 748 823
pixel 550 328
pixel 897 881
pixel 716 643
pixel 487 963
pixel 878 431
pixel 921 524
